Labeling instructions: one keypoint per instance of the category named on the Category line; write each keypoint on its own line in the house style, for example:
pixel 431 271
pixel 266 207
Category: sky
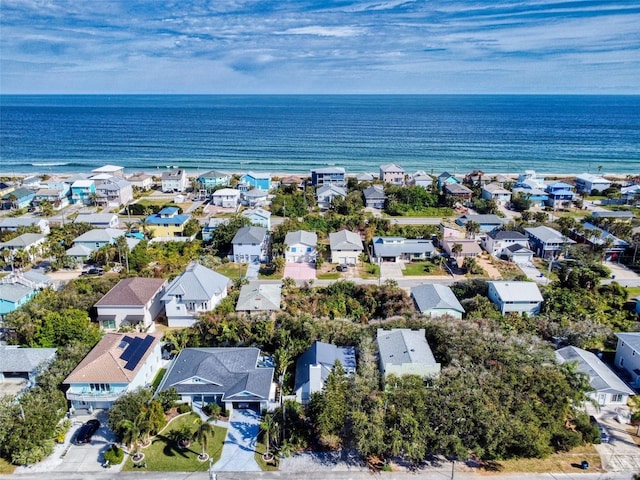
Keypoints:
pixel 319 46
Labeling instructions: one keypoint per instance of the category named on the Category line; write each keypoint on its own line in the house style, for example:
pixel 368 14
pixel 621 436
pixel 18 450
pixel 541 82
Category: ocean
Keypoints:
pixel 295 133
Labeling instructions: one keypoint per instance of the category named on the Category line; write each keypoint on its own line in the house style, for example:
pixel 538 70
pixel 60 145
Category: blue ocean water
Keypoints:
pixel 457 133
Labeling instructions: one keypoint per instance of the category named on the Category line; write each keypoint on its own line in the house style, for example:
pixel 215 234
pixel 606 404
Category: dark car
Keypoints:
pixel 86 431
pixel 342 268
pixel 94 271
pixel 604 436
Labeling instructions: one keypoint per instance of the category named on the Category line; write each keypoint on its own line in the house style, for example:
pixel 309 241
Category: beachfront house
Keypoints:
pixel 588 182
pixel 329 175
pixel 422 179
pixel 516 297
pixel 405 352
pixel 628 356
pixel 261 181
pixel 400 249
pixel 175 180
pixel 132 302
pixel 392 173
pixel 119 363
pixel 250 244
pixel 198 289
pixel 167 223
pixel 211 180
pixel 326 194
pixel 226 198
pixel 83 192
pixel 141 180
pixel 346 247
pixel 435 300
pixel 111 170
pixel 445 178
pixel 315 364
pixel 497 193
pixel 114 192
pixel 17 199
pixel 300 246
pixel 374 197
pixel 547 242
pixel 606 387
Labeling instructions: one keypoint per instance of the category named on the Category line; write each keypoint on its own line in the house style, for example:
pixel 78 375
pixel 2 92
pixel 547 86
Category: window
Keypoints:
pixel 293 249
pixel 616 398
pixel 109 324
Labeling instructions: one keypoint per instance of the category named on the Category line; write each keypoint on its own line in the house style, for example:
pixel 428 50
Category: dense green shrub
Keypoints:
pixel 184 408
pixel 114 455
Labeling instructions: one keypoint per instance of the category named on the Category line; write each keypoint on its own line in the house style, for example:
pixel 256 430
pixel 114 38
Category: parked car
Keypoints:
pixel 86 431
pixel 604 435
pixel 94 271
pixel 342 268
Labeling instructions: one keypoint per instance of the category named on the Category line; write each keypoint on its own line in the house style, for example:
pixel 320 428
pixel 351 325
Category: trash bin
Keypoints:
pixel 613 277
pixel 584 464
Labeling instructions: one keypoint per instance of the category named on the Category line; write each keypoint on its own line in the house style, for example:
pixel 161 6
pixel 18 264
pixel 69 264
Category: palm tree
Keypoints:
pixel 202 436
pixel 130 432
pixel 269 426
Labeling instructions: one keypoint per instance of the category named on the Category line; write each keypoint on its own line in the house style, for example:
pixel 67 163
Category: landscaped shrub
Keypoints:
pixel 184 408
pixel 114 455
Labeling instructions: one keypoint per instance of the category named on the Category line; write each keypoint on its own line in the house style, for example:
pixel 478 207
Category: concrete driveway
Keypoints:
pixel 533 273
pixel 253 269
pixel 240 443
pixel 621 454
pixel 300 271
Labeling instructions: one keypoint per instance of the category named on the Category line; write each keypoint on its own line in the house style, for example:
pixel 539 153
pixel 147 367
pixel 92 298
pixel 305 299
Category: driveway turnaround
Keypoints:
pixel 240 443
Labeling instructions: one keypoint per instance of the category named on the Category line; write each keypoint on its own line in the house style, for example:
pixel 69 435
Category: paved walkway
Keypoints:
pixel 240 443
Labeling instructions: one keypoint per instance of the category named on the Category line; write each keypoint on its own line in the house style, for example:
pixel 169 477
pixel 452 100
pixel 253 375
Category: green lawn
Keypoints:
pixel 158 378
pixel 231 269
pixel 5 467
pixel 633 292
pixel 422 268
pixel 164 456
pixel 328 276
pixel 266 273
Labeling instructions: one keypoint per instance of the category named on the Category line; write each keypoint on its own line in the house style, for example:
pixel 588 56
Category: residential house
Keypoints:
pixel 114 192
pixel 445 178
pixel 255 197
pixel 392 173
pixel 175 180
pixel 435 300
pixel 258 217
pixel 399 249
pixel 301 247
pixel 98 220
pixel 345 247
pixel 58 198
pixel 616 216
pixel 226 197
pixel 476 177
pixel 486 222
pixel 6 188
pixel 560 194
pixel 167 223
pixel 327 193
pixel 31 243
pixel 213 179
pixel 518 254
pixel 422 179
pixel 607 388
pixel 17 199
pixel 595 236
pixel 536 196
pixel 23 363
pixel 251 244
pixel 118 364
pixel 31 182
pixel 374 197
pixel 198 289
pixel 628 356
pixel 209 229
pixel 111 170
pixel 517 297
pixel 497 193
pixel 259 298
pixel 315 364
pixel 230 377
pixel 141 180
pixel 547 242
pixel 100 178
pixel 261 181
pixel 588 182
pixel 451 230
pixel 468 247
pixel 457 190
pixel 294 181
pixel 13 295
pixel 365 177
pixel 89 242
pixel 83 192
pixel 134 302
pixel 329 175
pixel 406 352
pixel 497 241
pixel 530 180
pixel 630 194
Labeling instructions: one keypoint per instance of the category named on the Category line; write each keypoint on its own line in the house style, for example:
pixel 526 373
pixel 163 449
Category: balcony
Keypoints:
pixel 92 396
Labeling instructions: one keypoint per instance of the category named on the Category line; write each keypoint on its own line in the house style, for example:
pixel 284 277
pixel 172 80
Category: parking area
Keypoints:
pixel 533 273
pixel 300 271
pixel 391 270
pixel 621 453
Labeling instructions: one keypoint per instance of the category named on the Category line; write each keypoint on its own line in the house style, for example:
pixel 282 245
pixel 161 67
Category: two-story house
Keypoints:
pixel 31 243
pixel 83 192
pixel 98 220
pixel 259 217
pixel 517 297
pixel 497 193
pixel 497 241
pixel 392 173
pixel 12 224
pixel 457 190
pixel 346 247
pixel 255 197
pixel 114 192
pixel 213 179
pixel 175 180
pixel 588 182
pixel 326 194
pixel 119 363
pixel 560 194
pixel 329 175
pixel 111 170
pixel 547 242
pixel 226 197
pixel 167 222
pixel 374 197
pixel 198 289
pixel 301 246
pixel 89 242
pixel 261 181
pixel 250 244
pixel 17 199
pixel 628 356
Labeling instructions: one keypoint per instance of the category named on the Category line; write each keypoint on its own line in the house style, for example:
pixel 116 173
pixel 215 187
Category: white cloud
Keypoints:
pixel 325 31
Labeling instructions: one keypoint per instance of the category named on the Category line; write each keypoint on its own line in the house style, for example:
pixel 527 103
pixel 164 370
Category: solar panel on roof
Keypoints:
pixel 139 352
pixel 133 346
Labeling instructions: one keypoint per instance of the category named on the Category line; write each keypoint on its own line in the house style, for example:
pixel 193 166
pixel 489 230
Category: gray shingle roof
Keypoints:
pixel 506 235
pixel 100 235
pixel 135 291
pixel 374 191
pixel 258 297
pixel 345 240
pixel 547 235
pixel 15 359
pixel 226 371
pixel 601 377
pixel 382 246
pixel 402 345
pixel 246 235
pixel 325 355
pixel 22 241
pixel 197 283
pixel 13 292
pixel 302 237
pixel 435 296
pixel 95 218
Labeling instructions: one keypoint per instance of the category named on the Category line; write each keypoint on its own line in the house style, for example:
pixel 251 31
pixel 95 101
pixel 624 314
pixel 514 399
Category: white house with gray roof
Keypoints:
pixel 231 377
pixel 345 246
pixel 607 388
pixel 406 352
pixel 259 298
pixel 435 300
pixel 14 223
pixel 88 242
pixel 315 364
pixel 250 244
pixel 258 217
pixel 374 197
pixel 392 173
pixel 32 243
pixel 497 241
pixel 198 289
pixel 326 194
pixel 301 247
pixel 398 249
pixel 23 363
pixel 98 220
pixel 517 297
pixel 628 356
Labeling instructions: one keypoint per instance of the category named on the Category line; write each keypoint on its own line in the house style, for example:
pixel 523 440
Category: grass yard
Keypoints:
pixel 266 273
pixel 232 270
pixel 164 456
pixel 418 269
pixel 158 378
pixel 328 276
pixel 568 462
pixel 5 467
pixel 633 292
